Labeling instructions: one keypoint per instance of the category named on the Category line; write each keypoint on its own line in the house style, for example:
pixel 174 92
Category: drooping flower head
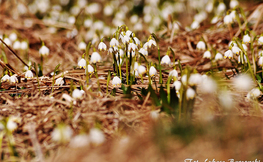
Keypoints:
pixel 95 57
pixel 44 51
pixel 102 46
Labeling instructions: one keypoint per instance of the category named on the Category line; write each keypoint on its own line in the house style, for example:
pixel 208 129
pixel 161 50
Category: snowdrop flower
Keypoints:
pixel 260 61
pixel 88 23
pixel 95 57
pixel 12 37
pixel 116 81
pixel 195 79
pixel 114 42
pixel 195 25
pixel 7 41
pixel 128 33
pixel 132 47
pixel 233 3
pixel 13 79
pixel 246 38
pixel 244 46
pixel 29 74
pixel 11 125
pixel 260 40
pixel 79 141
pixel 5 78
pixel 236 50
pixel 166 60
pixel 82 63
pixel 184 79
pixel 254 94
pixel 190 93
pixel 209 6
pixel 96 136
pixel 243 82
pixel 143 51
pixel 151 42
pixel 152 71
pixel 141 70
pixel 137 41
pixel 228 54
pixel 145 45
pixel 208 85
pixel 214 20
pixel 77 94
pixel 90 69
pixel 102 46
pixel 71 20
pixel 232 44
pixel 207 55
pixel 233 15
pixel 228 19
pixel 82 46
pixel 135 66
pixel 173 74
pixel 121 53
pixel 24 45
pixel 221 7
pixel 177 84
pixel 218 56
pixel 17 45
pixel 59 81
pixel 62 133
pixel 125 39
pixel 44 51
pixel 154 115
pixel 239 58
pixel 119 62
pixel 201 45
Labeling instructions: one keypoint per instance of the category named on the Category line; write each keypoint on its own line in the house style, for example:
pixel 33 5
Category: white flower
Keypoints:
pixel 82 63
pixel 102 46
pixel 154 115
pixel 44 51
pixel 119 62
pixel 166 60
pixel 214 20
pixel 95 57
pixel 13 79
pixel 228 54
pixel 225 99
pixel 254 94
pixel 7 41
pixel 141 70
pixel 195 25
pixel 24 45
pixel 82 46
pixel 194 79
pixel 236 50
pixel 260 61
pixel 79 141
pixel 233 15
pixel 17 45
pixel 239 58
pixel 88 23
pixel 232 44
pixel 177 84
pixel 12 37
pixel 145 45
pixel 201 45
pixel 121 52
pixel 77 93
pixel 62 133
pixel 29 74
pixel 207 55
pixel 128 33
pixel 221 7
pixel 5 78
pixel 208 85
pixel 11 125
pixel 135 67
pixel 151 42
pixel 132 47
pixel 137 41
pixel 244 46
pixel 96 136
pixel 116 81
pixel 228 19
pixel 218 56
pixel 246 38
pixel 71 20
pixel 233 3
pixel 152 71
pixel 243 82
pixel 114 42
pixel 184 79
pixel 260 40
pixel 143 51
pixel 90 69
pixel 59 81
pixel 190 93
pixel 125 39
pixel 173 74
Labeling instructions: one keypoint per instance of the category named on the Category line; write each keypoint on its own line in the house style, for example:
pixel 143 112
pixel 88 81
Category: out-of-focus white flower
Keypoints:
pixel 102 46
pixel 228 19
pixel 246 38
pixel 194 79
pixel 93 8
pixel 24 45
pixel 12 37
pixel 214 19
pixel 208 85
pixel 116 81
pixel 184 79
pixel 141 70
pixel 17 45
pixel 88 23
pixel 201 45
pixel 233 3
pixel 96 136
pixel 90 69
pixel 260 61
pixel 143 51
pixel 154 115
pixel 225 99
pixel 236 50
pixel 254 94
pixel 79 141
pixel 44 51
pixel 95 57
pixel 11 125
pixel 228 54
pixel 177 84
pixel 173 74
pixel 166 60
pixel 77 93
pixel 243 82
pixel 7 41
pixel 233 15
pixel 221 7
pixel 59 81
pixel 134 18
pixel 209 6
pixel 190 93
pixel 5 78
pixel 152 71
pixel 114 42
pixel 207 55
pixel 62 133
pixel 29 74
pixel 195 25
pixel 82 46
pixel 218 56
pixel 13 79
pixel 71 20
pixel 82 63
pixel 108 10
pixel 260 40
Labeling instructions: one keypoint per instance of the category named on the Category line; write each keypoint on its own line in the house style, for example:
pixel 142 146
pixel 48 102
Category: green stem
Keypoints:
pixel 87 63
pixel 160 67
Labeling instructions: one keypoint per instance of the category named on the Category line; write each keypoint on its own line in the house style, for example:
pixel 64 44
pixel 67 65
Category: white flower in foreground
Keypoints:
pixel 152 71
pixel 225 99
pixel 114 42
pixel 82 46
pixel 24 45
pixel 228 54
pixel 102 46
pixel 260 40
pixel 90 69
pixel 260 61
pixel 17 45
pixel 243 82
pixel 233 3
pixel 137 41
pixel 62 133
pixel 195 79
pixel 154 115
pixel 228 19
pixel 13 79
pixel 221 7
pixel 254 94
pixel 59 81
pixel 151 42
pixel 96 136
pixel 201 45
pixel 82 63
pixel 141 70
pixel 190 93
pixel 177 84
pixel 239 58
pixel 44 50
pixel 166 60
pixel 125 39
pixel 236 50
pixel 7 41
pixel 95 57
pixel 77 94
pixel 218 56
pixel 11 125
pixel 207 55
pixel 173 74
pixel 208 85
pixel 79 141
pixel 246 38
pixel 244 46
pixel 29 74
pixel 5 78
pixel 143 51
pixel 116 81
